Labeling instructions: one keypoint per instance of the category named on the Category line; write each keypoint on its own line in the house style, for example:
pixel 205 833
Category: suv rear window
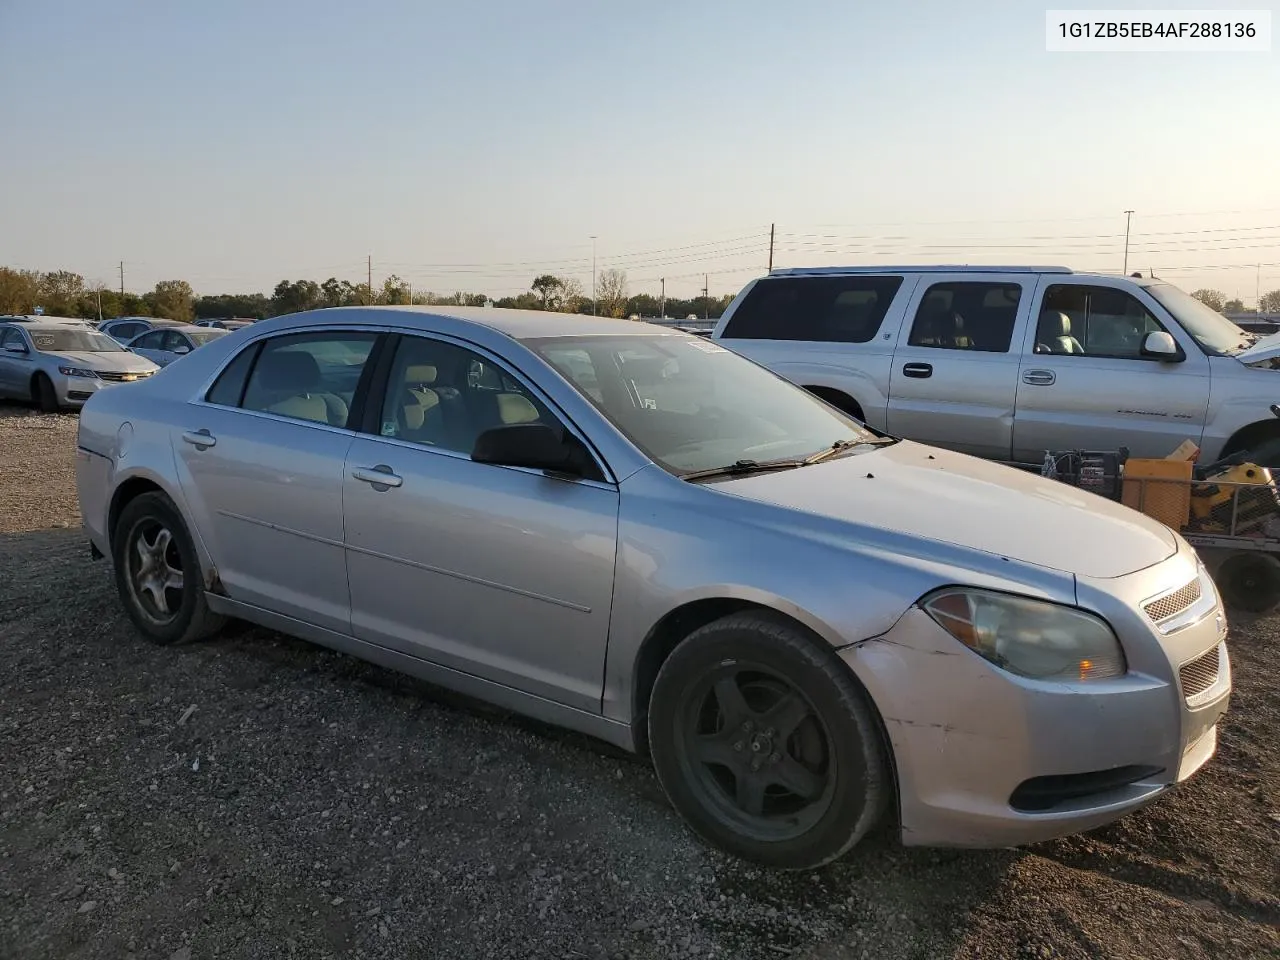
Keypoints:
pixel 827 309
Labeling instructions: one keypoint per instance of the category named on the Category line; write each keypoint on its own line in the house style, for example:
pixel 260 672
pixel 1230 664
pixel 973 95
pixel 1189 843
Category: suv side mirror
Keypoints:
pixel 1160 345
pixel 532 445
pixel 15 348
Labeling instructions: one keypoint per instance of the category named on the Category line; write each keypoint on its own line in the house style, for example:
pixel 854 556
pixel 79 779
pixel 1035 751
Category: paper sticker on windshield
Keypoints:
pixel 706 346
pixel 388 428
pixel 41 341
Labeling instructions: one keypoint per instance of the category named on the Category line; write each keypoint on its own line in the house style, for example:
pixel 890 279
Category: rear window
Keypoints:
pixel 827 309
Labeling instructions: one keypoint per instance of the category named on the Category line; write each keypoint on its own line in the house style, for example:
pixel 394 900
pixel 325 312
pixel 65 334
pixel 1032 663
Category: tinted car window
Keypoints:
pixel 173 340
pixel 831 309
pixel 444 396
pixel 229 387
pixel 150 341
pixel 126 331
pixel 1088 321
pixel 309 376
pixel 10 335
pixel 967 315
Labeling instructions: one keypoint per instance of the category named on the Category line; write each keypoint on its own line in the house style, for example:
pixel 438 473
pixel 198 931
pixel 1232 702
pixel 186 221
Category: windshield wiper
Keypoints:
pixel 741 468
pixel 841 445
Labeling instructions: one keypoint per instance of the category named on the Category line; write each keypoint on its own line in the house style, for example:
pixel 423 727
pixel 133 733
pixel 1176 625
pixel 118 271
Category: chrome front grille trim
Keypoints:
pixel 1204 678
pixel 1172 604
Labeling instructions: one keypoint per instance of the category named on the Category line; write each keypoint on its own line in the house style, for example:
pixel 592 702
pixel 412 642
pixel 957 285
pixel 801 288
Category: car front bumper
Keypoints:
pixel 987 759
pixel 74 391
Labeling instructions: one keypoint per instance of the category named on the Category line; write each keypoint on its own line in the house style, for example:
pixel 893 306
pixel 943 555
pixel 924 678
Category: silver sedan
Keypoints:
pixel 633 532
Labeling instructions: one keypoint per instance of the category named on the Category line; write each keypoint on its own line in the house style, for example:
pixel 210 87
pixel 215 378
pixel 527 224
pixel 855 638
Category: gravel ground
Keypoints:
pixel 255 796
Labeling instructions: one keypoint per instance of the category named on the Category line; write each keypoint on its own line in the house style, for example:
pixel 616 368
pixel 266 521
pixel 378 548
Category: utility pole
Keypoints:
pixel 99 293
pixel 662 301
pixel 706 297
pixel 370 266
pixel 1257 291
pixel 1128 215
pixel 122 280
pixel 411 293
pixel 771 226
pixel 595 304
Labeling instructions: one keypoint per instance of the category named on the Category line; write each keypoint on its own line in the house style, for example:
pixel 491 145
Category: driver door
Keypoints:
pixel 150 345
pixel 503 573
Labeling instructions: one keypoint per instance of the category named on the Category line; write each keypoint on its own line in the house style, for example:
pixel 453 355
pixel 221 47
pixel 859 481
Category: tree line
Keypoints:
pixel 62 293
pixel 1216 299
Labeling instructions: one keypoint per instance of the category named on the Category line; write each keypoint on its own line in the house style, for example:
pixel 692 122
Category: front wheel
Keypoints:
pixel 158 572
pixel 765 744
pixel 43 393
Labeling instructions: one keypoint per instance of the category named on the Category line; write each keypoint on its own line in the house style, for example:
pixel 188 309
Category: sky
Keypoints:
pixel 471 146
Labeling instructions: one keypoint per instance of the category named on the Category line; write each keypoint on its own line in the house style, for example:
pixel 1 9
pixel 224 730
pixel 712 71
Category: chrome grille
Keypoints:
pixel 1174 603
pixel 1200 674
pixel 115 377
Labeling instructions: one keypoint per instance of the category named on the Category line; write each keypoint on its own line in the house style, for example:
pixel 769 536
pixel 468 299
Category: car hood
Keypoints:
pixel 921 491
pixel 1268 348
pixel 124 362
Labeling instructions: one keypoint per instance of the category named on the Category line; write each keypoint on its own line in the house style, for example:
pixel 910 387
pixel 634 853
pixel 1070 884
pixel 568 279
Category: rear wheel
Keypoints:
pixel 158 573
pixel 43 393
pixel 1249 581
pixel 765 744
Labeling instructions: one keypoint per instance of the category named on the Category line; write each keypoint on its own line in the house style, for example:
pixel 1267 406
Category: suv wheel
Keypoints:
pixel 765 743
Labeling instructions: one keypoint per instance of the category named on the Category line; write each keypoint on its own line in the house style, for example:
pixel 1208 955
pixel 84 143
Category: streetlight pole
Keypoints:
pixel 662 301
pixel 1128 215
pixel 595 305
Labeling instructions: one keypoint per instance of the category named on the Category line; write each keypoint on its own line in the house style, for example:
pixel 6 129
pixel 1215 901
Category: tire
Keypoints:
pixel 164 612
pixel 791 771
pixel 1249 581
pixel 43 393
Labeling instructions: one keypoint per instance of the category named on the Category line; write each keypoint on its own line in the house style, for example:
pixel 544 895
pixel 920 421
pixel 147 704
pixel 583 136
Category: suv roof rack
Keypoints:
pixel 918 268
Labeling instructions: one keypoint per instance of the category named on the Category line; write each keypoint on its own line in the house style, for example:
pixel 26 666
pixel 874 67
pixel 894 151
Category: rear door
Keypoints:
pixel 1084 383
pixel 955 371
pixel 14 367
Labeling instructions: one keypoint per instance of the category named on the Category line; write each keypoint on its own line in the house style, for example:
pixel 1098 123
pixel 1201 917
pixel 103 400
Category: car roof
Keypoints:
pixel 43 323
pixel 914 268
pixel 516 324
pixel 157 321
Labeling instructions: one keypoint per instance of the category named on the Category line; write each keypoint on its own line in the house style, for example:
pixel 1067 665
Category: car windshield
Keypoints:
pixel 692 405
pixel 74 341
pixel 1215 333
pixel 205 334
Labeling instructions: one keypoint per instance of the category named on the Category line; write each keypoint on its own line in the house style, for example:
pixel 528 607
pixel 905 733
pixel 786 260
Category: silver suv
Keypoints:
pixel 61 362
pixel 1008 362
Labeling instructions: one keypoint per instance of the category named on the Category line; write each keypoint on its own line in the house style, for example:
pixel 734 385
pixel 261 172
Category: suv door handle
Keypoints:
pixel 200 438
pixel 1039 378
pixel 917 370
pixel 379 476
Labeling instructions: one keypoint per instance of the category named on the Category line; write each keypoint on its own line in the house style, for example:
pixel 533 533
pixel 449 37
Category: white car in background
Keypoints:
pixel 165 345
pixel 124 329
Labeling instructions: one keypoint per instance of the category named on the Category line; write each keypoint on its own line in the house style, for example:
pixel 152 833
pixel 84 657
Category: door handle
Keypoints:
pixel 379 476
pixel 1039 378
pixel 200 438
pixel 917 370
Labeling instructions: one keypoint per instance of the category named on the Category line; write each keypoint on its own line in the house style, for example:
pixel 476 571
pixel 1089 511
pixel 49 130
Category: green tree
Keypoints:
pixel 59 293
pixel 394 291
pixel 253 305
pixel 298 295
pixel 1233 306
pixel 611 293
pixel 173 299
pixel 1270 302
pixel 547 287
pixel 1211 298
pixel 19 290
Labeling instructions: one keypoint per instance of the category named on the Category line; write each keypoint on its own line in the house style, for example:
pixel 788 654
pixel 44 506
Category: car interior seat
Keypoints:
pixel 288 382
pixel 1053 334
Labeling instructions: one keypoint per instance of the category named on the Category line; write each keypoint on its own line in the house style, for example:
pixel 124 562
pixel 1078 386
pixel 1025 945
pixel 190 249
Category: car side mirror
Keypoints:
pixel 532 445
pixel 181 349
pixel 15 348
pixel 1160 345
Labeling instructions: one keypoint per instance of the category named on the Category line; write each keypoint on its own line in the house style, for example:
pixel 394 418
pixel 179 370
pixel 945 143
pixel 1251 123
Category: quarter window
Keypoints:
pixel 829 309
pixel 229 387
pixel 1077 320
pixel 309 376
pixel 967 315
pixel 444 396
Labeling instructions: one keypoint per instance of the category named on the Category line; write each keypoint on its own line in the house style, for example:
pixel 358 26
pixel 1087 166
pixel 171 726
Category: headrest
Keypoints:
pixel 1054 323
pixel 513 408
pixel 424 373
pixel 289 371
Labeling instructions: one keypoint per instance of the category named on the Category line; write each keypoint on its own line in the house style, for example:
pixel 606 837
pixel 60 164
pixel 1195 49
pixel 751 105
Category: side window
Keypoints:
pixel 173 340
pixel 1088 321
pixel 309 376
pixel 229 387
pixel 150 341
pixel 967 315
pixel 437 396
pixel 127 331
pixel 829 309
pixel 9 336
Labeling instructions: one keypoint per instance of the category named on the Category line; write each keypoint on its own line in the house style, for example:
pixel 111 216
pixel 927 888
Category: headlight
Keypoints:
pixel 1031 638
pixel 77 372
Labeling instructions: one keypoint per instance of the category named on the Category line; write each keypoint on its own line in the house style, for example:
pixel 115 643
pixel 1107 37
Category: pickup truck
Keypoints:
pixel 1008 362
